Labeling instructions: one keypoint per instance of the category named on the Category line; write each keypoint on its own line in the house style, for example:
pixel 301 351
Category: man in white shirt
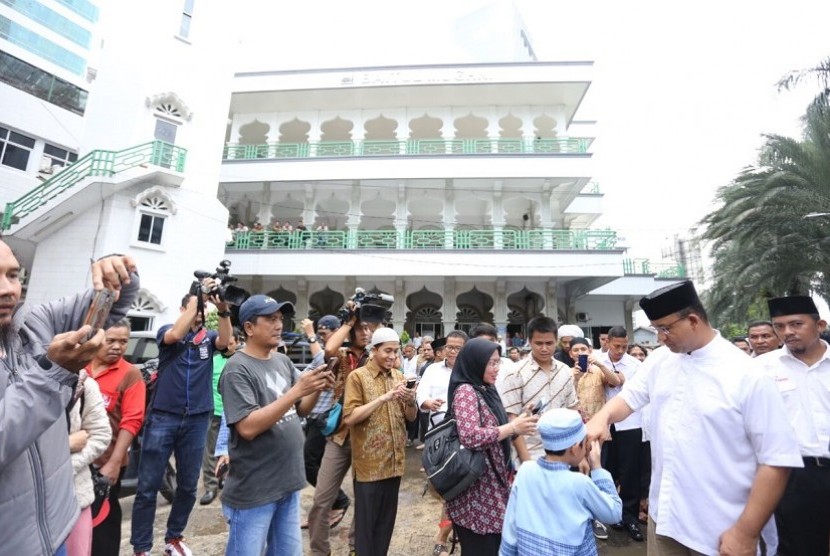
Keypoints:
pixel 626 446
pixel 722 448
pixel 801 370
pixel 431 394
pixel 410 361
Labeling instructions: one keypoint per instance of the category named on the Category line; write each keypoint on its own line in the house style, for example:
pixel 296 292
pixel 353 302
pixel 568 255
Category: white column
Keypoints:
pixel 544 216
pixel 355 214
pixel 450 308
pixel 493 129
pixel 449 214
pixel 551 303
pixel 302 301
pixel 498 215
pixel 399 307
pixel 400 216
pixel 264 214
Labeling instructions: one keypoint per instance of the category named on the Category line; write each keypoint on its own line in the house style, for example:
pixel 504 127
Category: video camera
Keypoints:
pixel 370 306
pixel 224 288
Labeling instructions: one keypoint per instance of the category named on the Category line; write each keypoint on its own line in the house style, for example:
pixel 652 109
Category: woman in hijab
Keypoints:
pixel 478 512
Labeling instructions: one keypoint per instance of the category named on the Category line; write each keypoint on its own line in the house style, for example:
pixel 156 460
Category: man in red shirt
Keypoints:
pixel 123 390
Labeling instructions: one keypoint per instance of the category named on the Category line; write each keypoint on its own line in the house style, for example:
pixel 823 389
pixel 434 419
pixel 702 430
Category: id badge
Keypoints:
pixel 203 351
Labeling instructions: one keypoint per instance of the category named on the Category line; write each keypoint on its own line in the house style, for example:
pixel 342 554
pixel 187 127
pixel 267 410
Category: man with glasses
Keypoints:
pixel 722 447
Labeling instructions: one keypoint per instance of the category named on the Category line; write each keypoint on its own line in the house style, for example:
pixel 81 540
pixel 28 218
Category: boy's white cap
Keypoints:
pixel 383 335
pixel 560 429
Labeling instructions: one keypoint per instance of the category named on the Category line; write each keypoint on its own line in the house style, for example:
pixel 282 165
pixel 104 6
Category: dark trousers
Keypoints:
pixel 412 428
pixel 627 450
pixel 106 536
pixel 423 419
pixel 209 479
pixel 803 514
pixel 475 544
pixel 313 449
pixel 375 509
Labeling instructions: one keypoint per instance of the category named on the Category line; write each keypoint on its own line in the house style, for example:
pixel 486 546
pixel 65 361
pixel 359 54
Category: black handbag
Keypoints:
pixel 450 467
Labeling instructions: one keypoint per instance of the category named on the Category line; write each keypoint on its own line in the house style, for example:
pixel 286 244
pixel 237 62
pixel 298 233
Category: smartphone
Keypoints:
pixel 540 405
pixel 411 382
pixel 99 310
pixel 583 362
pixel 221 473
pixel 332 366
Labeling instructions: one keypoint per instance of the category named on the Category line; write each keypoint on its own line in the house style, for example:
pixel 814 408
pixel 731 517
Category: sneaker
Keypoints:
pixel 600 530
pixel 176 547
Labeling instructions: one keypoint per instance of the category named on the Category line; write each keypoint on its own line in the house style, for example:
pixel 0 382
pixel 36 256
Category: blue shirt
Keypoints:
pixel 551 508
pixel 185 379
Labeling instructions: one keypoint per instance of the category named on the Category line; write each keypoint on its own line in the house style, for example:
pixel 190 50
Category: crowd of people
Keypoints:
pixel 697 447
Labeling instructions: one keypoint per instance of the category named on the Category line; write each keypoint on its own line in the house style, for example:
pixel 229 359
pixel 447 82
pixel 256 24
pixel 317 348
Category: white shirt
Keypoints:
pixel 628 367
pixel 806 394
pixel 434 384
pixel 410 366
pixel 715 419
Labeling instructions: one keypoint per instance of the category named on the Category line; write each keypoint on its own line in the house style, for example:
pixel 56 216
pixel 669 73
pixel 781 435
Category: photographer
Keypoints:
pixel 178 417
pixel 329 506
pixel 43 348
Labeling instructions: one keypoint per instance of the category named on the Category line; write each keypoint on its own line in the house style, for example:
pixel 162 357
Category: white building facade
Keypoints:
pixel 463 190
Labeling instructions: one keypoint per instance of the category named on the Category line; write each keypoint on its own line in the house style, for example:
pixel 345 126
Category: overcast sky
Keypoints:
pixel 683 90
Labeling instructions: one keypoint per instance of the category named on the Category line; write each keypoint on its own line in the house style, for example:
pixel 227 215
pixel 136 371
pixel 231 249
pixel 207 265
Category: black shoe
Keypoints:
pixel 207 497
pixel 619 526
pixel 634 531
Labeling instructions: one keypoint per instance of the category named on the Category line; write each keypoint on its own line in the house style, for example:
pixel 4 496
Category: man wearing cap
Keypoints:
pixel 315 442
pixel 177 420
pixel 264 396
pixel 801 370
pixel 566 333
pixel 721 446
pixel 376 407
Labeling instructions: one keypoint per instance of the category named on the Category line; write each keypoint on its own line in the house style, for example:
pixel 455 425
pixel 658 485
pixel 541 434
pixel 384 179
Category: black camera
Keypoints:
pixel 224 288
pixel 370 306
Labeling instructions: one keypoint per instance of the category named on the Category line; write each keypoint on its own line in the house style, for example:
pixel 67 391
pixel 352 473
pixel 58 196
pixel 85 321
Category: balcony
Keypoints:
pixel 427 240
pixel 409 147
pixel 644 267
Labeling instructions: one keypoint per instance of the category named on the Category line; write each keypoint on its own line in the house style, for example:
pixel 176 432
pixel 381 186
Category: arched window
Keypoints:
pixel 153 207
pixel 143 311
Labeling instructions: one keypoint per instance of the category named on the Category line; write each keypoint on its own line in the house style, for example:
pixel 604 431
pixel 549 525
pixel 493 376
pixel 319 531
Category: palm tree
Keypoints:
pixel 821 72
pixel 764 240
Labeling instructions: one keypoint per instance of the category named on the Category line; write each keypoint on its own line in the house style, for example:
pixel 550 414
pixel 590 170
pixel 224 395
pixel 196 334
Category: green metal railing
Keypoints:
pixel 659 270
pixel 408 147
pixel 580 240
pixel 95 163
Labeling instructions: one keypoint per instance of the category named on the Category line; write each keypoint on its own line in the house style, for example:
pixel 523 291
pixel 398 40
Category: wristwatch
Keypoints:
pixel 312 339
pixel 224 314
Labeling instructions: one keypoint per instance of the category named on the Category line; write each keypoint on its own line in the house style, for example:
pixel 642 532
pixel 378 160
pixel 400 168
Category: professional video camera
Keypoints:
pixel 370 306
pixel 224 288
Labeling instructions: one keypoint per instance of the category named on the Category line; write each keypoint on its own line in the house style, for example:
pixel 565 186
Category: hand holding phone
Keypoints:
pixel 583 362
pixel 410 383
pixel 99 310
pixel 332 366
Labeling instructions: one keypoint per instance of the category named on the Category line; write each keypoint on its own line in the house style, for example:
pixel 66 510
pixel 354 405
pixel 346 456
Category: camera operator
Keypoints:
pixel 43 348
pixel 330 502
pixel 178 417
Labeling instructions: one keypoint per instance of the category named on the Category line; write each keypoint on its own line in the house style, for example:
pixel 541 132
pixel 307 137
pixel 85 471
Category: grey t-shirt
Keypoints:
pixel 270 466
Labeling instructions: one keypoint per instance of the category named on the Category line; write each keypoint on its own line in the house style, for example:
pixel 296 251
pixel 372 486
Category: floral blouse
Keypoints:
pixel 481 507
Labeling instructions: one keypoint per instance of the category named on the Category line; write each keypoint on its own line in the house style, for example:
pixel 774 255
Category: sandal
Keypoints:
pixel 341 513
pixel 439 549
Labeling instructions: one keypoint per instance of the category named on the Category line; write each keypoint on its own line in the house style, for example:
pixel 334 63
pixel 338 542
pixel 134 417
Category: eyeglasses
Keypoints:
pixel 666 328
pixel 494 363
pixel 453 348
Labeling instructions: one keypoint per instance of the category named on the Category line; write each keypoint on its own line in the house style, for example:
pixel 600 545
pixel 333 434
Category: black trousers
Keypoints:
pixel 375 509
pixel 313 449
pixel 106 536
pixel 627 447
pixel 476 544
pixel 803 514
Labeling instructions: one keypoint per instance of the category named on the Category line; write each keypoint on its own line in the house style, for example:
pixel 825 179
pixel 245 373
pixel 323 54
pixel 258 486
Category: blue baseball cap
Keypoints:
pixel 260 305
pixel 328 322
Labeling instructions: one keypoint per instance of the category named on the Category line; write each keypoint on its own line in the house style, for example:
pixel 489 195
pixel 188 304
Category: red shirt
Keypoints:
pixel 123 390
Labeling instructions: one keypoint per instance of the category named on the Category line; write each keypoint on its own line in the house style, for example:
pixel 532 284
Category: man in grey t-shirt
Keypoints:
pixel 263 397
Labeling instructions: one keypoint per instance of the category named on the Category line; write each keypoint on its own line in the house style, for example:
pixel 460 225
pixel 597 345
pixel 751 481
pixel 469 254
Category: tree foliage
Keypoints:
pixel 770 235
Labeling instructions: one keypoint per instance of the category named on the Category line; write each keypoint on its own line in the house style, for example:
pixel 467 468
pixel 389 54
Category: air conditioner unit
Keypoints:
pixel 582 317
pixel 45 165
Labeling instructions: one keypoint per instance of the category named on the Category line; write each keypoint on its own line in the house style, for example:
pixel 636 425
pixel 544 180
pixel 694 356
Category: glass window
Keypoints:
pixel 59 156
pixel 165 131
pixel 150 228
pixel 52 20
pixel 187 16
pixel 43 85
pixel 36 44
pixel 15 149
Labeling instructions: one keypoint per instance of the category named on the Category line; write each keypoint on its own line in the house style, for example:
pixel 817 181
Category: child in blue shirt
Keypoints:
pixel 551 508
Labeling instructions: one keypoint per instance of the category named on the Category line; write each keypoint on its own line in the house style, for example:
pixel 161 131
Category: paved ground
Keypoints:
pixel 414 530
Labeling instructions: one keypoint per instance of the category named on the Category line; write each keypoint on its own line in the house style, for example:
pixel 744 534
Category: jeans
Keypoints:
pixel 165 434
pixel 61 550
pixel 275 526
